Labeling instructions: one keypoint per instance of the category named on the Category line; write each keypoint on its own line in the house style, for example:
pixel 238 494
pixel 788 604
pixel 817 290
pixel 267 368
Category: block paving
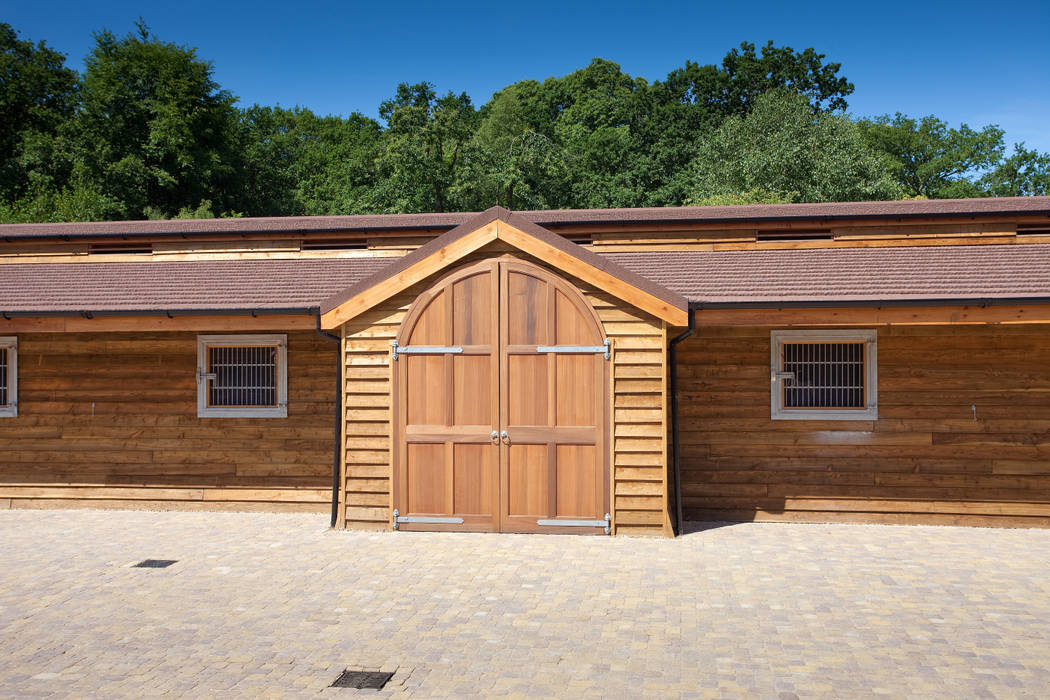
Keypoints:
pixel 274 606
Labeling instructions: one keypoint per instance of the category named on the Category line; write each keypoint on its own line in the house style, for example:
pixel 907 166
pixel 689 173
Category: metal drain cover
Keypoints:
pixel 155 563
pixel 373 680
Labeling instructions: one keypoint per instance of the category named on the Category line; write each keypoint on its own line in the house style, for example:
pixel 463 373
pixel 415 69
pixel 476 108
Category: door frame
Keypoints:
pixel 604 448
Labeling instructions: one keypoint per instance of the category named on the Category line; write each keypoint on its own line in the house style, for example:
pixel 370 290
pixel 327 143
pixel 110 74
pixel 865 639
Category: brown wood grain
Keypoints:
pixel 111 419
pixel 927 458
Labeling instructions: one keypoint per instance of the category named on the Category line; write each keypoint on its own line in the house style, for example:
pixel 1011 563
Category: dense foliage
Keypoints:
pixel 146 131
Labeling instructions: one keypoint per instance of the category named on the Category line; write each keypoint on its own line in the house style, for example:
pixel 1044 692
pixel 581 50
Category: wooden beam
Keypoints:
pixel 886 316
pixel 433 263
pixel 79 324
pixel 599 278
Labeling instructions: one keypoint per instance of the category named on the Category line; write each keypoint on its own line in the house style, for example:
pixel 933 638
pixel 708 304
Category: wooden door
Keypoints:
pixel 447 471
pixel 552 406
pixel 500 418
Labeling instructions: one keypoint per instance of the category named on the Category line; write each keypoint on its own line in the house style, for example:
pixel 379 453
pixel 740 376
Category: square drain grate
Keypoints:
pixel 155 563
pixel 373 680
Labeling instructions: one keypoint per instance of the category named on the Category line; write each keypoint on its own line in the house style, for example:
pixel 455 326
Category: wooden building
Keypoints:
pixel 577 371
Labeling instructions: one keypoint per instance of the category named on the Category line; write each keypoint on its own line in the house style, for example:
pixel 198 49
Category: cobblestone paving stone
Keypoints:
pixel 271 606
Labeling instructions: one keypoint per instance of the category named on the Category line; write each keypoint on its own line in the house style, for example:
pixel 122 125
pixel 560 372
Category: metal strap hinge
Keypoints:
pixel 577 349
pixel 425 349
pixel 398 519
pixel 606 523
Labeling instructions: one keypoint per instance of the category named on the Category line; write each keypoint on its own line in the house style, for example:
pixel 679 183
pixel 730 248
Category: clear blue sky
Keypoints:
pixel 974 62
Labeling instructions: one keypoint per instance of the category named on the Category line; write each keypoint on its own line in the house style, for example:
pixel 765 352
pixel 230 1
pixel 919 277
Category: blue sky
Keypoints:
pixel 963 61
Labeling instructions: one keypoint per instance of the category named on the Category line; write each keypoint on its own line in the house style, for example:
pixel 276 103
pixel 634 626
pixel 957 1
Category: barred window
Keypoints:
pixel 827 375
pixel 8 376
pixel 242 375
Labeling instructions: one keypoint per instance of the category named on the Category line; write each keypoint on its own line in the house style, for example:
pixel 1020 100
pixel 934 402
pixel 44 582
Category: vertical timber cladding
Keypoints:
pixel 636 441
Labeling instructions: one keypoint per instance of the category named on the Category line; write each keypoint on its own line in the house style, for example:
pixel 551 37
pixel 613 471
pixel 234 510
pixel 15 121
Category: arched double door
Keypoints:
pixel 501 385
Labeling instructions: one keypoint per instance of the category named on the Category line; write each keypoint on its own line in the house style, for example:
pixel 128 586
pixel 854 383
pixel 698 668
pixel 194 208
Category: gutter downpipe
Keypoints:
pixel 338 418
pixel 676 455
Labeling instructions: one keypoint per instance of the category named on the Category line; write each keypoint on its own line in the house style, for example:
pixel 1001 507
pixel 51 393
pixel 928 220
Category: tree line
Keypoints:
pixel 145 131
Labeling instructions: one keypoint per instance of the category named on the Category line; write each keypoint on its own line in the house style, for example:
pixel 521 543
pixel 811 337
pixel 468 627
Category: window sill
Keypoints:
pixel 828 414
pixel 281 412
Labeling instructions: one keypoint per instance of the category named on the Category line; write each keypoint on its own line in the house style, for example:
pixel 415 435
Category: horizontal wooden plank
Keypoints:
pixel 213 506
pixel 696 516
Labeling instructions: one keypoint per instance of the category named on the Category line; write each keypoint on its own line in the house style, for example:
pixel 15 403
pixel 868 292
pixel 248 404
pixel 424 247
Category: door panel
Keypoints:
pixel 582 374
pixel 446 462
pixel 474 479
pixel 427 395
pixel 526 303
pixel 526 386
pixel 425 478
pixel 578 495
pixel 527 481
pixel 471 379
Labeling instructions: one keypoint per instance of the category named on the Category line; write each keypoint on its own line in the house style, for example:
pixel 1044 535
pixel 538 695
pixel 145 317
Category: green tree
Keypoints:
pixel 784 151
pixel 337 171
pixel 154 130
pixel 297 163
pixel 929 159
pixel 513 159
pixel 695 99
pixel 1026 173
pixel 37 95
pixel 42 201
pixel 422 150
pixel 745 75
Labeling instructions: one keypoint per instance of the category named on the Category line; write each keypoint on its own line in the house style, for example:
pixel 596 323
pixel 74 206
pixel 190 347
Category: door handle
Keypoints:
pixel 494 436
pixel 505 436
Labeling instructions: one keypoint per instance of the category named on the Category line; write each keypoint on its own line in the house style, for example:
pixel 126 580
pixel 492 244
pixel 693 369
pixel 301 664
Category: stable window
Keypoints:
pixel 8 376
pixel 823 375
pixel 242 376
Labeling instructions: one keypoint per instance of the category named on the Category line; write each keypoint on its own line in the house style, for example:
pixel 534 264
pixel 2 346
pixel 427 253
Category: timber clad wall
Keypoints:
pixel 925 460
pixel 639 441
pixel 110 420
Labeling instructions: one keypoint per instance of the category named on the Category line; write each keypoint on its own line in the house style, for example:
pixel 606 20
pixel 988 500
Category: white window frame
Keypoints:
pixel 278 411
pixel 776 379
pixel 10 409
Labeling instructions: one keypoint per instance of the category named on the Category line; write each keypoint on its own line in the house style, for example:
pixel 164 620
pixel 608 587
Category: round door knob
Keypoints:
pixel 505 436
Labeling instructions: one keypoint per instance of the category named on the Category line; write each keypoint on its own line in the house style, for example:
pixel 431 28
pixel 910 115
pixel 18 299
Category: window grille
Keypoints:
pixel 8 376
pixel 824 375
pixel 828 375
pixel 242 375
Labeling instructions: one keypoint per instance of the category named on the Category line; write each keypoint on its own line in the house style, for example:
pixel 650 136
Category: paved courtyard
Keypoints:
pixel 278 605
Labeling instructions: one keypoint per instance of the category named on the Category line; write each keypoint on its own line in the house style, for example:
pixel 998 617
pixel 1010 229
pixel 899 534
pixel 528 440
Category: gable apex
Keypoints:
pixel 498 223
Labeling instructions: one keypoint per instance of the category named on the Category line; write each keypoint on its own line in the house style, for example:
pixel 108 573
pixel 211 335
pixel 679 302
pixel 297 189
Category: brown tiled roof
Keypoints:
pixel 551 239
pixel 847 275
pixel 938 208
pixel 850 274
pixel 989 206
pixel 178 286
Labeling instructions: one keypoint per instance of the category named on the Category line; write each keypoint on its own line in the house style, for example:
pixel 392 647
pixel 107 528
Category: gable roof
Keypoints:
pixel 499 224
